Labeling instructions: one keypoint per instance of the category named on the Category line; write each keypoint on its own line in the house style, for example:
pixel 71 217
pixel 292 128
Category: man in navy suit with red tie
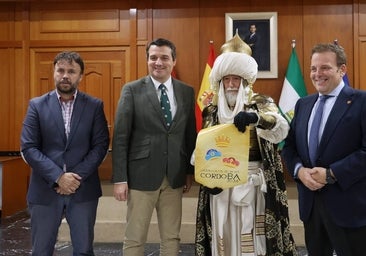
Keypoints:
pixel 64 139
pixel 332 183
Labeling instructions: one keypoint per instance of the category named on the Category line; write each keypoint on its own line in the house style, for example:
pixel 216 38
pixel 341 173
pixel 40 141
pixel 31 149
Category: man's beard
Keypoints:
pixel 68 90
pixel 231 96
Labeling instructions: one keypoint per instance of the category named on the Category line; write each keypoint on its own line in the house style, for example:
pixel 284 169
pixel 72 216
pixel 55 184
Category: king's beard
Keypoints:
pixel 231 96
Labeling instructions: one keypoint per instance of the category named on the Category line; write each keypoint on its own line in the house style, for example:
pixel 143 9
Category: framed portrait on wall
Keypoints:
pixel 259 31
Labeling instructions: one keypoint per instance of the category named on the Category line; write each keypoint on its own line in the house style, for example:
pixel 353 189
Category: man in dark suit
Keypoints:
pixel 151 151
pixel 64 139
pixel 252 39
pixel 331 181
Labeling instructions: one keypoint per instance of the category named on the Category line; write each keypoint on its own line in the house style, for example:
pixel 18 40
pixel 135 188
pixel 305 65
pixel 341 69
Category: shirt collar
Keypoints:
pixel 60 99
pixel 167 83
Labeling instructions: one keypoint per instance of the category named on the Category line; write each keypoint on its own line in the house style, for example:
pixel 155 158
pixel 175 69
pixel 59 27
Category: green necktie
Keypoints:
pixel 165 105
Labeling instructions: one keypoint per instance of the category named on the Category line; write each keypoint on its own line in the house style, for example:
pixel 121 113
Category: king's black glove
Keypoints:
pixel 243 119
pixel 213 191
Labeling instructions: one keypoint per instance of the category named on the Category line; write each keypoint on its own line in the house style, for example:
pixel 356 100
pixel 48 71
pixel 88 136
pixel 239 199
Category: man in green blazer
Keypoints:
pixel 151 151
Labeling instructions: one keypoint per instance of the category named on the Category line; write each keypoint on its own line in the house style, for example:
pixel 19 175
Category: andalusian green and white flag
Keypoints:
pixel 293 87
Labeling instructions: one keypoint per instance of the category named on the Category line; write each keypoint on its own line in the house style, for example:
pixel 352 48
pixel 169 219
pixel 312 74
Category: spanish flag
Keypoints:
pixel 204 96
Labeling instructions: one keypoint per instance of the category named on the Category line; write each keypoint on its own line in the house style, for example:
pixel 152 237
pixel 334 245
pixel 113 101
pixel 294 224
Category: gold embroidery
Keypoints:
pixel 259 225
pixel 247 243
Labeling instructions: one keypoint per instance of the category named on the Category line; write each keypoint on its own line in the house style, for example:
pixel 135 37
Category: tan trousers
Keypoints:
pixel 141 204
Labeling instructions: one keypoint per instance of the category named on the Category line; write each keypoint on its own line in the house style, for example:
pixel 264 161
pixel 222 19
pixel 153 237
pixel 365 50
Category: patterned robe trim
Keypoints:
pixel 259 224
pixel 221 247
pixel 247 243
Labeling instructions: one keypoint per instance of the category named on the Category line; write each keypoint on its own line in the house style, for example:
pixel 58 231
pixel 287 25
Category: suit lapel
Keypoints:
pixel 342 104
pixel 308 106
pixel 179 97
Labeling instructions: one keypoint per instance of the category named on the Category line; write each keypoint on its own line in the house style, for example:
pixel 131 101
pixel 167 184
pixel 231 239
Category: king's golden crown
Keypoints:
pixel 236 44
pixel 222 141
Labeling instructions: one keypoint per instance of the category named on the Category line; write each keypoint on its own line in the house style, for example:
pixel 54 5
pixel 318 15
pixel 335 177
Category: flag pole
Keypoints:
pixel 293 43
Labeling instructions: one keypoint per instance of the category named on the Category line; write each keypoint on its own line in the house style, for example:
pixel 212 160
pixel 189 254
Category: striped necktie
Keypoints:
pixel 165 105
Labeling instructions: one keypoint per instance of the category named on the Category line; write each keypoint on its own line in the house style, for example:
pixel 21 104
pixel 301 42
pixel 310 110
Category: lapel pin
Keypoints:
pixel 349 102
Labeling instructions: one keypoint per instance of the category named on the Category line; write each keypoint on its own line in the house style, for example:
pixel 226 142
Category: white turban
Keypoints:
pixel 233 63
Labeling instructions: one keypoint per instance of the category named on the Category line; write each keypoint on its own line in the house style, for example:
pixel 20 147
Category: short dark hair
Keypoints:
pixel 70 57
pixel 162 42
pixel 329 47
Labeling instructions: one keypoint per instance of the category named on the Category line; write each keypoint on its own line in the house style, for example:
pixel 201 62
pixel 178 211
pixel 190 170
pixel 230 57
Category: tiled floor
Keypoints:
pixel 15 241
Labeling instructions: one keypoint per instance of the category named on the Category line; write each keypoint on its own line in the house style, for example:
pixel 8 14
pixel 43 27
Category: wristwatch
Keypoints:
pixel 329 178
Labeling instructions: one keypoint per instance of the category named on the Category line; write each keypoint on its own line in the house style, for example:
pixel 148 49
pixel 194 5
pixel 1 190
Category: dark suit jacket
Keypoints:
pixel 46 149
pixel 342 148
pixel 144 150
pixel 252 41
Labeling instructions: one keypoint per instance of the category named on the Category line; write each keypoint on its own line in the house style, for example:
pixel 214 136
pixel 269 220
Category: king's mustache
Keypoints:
pixel 231 90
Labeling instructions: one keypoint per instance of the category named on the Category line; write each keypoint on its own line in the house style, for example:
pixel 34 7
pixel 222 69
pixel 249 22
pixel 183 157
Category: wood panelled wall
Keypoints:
pixel 111 36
